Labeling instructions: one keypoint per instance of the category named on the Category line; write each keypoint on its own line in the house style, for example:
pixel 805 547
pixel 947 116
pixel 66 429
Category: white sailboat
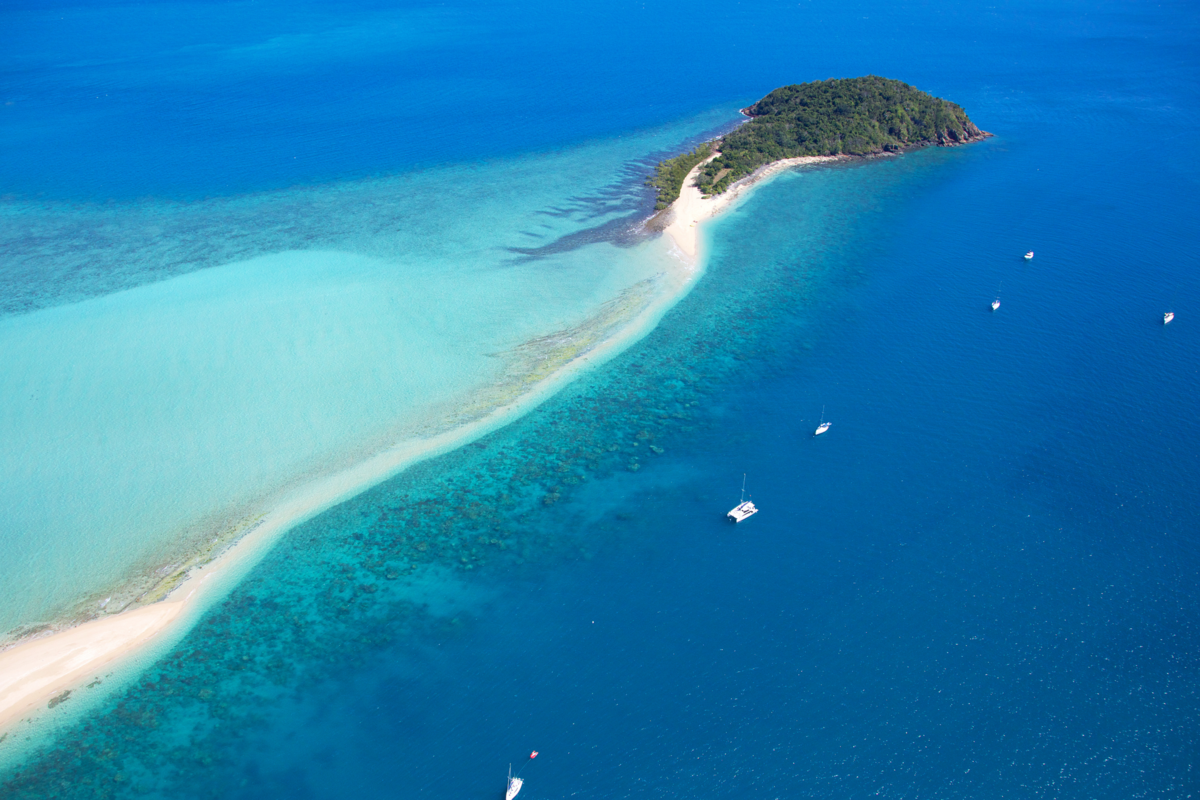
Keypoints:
pixel 514 785
pixel 996 304
pixel 1029 256
pixel 824 426
pixel 1167 317
pixel 744 509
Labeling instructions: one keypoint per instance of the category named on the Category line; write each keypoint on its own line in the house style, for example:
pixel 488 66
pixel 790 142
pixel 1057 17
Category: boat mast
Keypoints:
pixel 743 489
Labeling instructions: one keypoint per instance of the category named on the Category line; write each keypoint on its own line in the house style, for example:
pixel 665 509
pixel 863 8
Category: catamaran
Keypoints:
pixel 744 509
pixel 1167 317
pixel 824 426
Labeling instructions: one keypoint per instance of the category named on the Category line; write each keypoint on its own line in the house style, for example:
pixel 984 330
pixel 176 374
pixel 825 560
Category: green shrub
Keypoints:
pixel 848 116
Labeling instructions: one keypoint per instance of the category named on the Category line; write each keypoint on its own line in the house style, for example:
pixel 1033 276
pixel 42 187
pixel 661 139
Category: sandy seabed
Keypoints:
pixel 39 673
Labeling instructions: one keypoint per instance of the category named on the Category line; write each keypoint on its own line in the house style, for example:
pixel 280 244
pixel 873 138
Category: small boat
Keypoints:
pixel 744 509
pixel 996 304
pixel 1167 317
pixel 824 426
pixel 1029 256
pixel 514 785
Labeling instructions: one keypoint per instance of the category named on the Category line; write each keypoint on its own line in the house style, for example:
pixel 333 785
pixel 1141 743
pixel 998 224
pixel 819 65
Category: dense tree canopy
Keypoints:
pixel 851 116
pixel 668 175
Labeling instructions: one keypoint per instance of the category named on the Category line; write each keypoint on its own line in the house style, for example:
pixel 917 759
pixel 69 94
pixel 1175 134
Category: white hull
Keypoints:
pixel 742 511
pixel 995 305
pixel 1029 256
pixel 1167 317
pixel 514 786
pixel 824 426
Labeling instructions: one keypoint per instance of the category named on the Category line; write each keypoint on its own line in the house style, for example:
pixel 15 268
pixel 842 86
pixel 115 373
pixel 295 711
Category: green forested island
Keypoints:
pixel 848 116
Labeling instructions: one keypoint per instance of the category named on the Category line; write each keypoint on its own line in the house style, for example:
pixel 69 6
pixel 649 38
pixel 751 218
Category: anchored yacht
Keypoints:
pixel 824 426
pixel 1167 317
pixel 996 304
pixel 744 509
pixel 1029 256
pixel 514 785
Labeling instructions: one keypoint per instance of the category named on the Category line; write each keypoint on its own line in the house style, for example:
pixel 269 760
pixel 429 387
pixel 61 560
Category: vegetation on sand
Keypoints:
pixel 850 116
pixel 668 175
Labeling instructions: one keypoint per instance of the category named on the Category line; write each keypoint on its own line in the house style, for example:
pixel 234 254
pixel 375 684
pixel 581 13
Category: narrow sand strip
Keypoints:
pixel 692 208
pixel 36 671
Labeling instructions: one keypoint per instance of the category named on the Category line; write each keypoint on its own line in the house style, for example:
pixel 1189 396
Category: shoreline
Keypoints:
pixel 38 670
pixel 684 216
pixel 41 672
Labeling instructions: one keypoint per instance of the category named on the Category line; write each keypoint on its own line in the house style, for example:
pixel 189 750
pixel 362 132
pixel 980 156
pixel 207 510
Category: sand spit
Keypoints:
pixel 45 670
pixel 693 207
pixel 35 673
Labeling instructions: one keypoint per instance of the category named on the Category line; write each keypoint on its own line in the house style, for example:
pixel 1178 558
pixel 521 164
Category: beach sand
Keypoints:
pixel 34 672
pixel 38 671
pixel 693 208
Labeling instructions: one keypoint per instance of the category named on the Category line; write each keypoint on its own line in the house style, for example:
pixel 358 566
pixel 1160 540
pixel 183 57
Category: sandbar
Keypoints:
pixel 40 670
pixel 693 207
pixel 34 673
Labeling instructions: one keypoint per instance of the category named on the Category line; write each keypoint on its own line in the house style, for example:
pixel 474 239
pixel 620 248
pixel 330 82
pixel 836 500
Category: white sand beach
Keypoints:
pixel 693 208
pixel 36 671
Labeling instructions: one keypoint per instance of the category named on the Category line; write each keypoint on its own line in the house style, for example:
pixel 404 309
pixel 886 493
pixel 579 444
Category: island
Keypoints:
pixel 840 117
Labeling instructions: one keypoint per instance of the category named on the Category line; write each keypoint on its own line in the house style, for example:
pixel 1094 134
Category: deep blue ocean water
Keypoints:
pixel 981 583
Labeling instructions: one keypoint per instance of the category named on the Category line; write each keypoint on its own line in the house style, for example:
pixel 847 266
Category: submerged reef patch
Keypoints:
pixel 342 589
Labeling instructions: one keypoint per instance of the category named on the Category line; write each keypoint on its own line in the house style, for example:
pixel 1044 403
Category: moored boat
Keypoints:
pixel 1029 256
pixel 744 509
pixel 514 785
pixel 1167 317
pixel 824 426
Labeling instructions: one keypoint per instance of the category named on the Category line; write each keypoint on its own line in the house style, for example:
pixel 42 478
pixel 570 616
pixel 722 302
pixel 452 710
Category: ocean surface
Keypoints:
pixel 245 244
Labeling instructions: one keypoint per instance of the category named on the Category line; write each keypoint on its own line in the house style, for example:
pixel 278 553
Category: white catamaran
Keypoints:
pixel 744 509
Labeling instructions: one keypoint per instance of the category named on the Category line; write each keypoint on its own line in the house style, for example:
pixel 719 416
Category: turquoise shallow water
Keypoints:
pixel 981 582
pixel 146 421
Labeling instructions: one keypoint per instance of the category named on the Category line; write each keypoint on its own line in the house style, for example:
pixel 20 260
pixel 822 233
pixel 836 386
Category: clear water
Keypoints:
pixel 144 421
pixel 981 582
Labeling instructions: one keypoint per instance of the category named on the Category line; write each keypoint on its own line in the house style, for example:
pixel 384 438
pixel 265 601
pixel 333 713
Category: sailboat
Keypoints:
pixel 1029 256
pixel 514 785
pixel 1167 317
pixel 824 426
pixel 744 509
